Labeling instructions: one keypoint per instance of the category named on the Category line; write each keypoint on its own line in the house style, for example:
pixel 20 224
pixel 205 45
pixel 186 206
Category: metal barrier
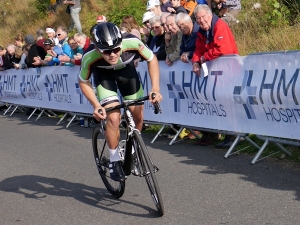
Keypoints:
pixel 278 142
pixel 48 112
pixel 13 108
pixel 76 114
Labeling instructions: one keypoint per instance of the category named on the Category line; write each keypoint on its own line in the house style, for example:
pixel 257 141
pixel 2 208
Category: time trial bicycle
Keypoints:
pixel 142 160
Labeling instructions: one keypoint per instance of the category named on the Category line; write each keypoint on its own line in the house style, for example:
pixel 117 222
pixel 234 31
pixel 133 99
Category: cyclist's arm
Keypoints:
pixel 145 53
pixel 154 75
pixel 88 92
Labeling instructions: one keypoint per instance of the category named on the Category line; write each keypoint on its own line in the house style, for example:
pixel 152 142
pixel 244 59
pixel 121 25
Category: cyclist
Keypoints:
pixel 110 60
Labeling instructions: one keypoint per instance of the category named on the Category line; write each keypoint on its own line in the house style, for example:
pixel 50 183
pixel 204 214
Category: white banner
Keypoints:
pixel 50 87
pixel 256 94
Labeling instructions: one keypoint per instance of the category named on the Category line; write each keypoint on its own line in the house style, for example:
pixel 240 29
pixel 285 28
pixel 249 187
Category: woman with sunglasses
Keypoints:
pixel 146 29
pixel 110 60
pixel 157 44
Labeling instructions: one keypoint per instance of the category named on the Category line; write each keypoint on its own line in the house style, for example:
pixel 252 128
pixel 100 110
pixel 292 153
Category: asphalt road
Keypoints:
pixel 48 176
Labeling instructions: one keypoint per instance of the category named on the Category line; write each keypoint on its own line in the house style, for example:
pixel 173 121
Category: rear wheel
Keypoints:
pixel 101 154
pixel 148 171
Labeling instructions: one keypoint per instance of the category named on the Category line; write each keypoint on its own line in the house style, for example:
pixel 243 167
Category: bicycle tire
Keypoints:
pixel 147 171
pixel 101 155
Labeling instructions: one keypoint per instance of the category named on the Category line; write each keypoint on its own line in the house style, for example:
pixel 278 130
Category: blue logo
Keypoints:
pixel 23 87
pixel 251 94
pixel 175 91
pixel 79 92
pixel 49 87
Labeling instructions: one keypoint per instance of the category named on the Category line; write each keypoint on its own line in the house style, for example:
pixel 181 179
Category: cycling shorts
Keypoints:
pixel 108 81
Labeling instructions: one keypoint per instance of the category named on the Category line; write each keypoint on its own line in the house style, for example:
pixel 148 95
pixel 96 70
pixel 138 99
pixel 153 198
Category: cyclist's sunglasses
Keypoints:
pixel 108 52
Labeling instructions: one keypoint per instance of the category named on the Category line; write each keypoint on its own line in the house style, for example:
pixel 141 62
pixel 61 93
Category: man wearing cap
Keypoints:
pixel 53 51
pixel 34 51
pixel 154 6
pixel 100 19
pixel 51 58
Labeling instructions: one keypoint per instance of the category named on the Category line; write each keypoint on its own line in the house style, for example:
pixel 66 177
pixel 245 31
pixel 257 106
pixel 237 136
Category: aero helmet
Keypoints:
pixel 107 36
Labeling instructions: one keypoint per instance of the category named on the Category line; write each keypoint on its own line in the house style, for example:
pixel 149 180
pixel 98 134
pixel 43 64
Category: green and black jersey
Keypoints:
pixel 108 79
pixel 131 46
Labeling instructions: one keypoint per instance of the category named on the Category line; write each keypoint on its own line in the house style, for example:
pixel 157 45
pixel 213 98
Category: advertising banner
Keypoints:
pixel 256 94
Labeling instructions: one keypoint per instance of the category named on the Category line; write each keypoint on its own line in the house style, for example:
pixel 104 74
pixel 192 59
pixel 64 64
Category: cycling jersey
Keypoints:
pixel 123 76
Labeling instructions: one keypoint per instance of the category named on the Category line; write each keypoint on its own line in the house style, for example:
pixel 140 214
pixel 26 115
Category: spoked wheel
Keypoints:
pixel 148 171
pixel 101 154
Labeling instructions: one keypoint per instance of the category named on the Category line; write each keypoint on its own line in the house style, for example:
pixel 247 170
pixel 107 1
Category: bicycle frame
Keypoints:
pixel 128 147
pixel 129 131
pixel 143 164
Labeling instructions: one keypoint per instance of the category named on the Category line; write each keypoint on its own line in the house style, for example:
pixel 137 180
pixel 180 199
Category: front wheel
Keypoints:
pixel 102 158
pixel 148 171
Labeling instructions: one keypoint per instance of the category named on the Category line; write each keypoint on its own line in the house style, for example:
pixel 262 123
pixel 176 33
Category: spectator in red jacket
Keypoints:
pixel 214 38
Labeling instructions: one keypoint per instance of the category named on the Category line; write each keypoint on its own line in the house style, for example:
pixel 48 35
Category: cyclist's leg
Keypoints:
pixel 112 135
pixel 107 93
pixel 131 88
pixel 112 132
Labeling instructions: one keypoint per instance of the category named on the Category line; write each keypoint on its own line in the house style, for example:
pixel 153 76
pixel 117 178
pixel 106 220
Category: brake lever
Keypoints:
pixel 157 108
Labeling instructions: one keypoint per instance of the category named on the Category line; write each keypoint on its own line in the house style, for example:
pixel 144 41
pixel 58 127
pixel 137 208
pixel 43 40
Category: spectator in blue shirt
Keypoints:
pixel 76 51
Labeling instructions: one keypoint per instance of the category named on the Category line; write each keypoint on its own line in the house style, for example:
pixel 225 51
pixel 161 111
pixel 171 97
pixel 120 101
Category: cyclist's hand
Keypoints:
pixel 99 116
pixel 158 97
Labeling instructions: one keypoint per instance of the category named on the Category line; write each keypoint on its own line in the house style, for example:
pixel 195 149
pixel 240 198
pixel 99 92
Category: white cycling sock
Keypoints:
pixel 132 151
pixel 114 155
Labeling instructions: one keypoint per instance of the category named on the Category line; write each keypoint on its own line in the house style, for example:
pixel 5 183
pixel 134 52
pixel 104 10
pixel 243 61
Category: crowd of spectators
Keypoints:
pixel 49 48
pixel 168 30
